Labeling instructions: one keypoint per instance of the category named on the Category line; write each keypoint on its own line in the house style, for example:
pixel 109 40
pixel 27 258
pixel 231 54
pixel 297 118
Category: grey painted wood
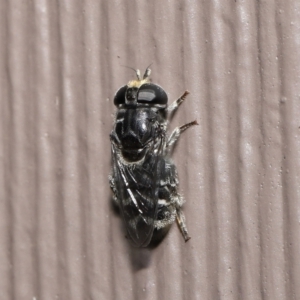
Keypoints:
pixel 60 65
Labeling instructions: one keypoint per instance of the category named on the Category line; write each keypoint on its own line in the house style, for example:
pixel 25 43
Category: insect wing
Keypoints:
pixel 138 194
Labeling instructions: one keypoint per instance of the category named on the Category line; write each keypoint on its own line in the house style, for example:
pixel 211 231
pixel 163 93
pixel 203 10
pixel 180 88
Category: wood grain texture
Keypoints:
pixel 60 65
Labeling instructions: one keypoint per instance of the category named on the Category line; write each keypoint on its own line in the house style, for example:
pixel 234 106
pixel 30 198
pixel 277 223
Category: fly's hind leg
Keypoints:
pixel 176 133
pixel 170 202
pixel 172 211
pixel 181 223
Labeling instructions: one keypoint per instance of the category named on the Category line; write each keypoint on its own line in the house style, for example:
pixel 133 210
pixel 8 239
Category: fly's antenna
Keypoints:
pixel 137 72
pixel 147 72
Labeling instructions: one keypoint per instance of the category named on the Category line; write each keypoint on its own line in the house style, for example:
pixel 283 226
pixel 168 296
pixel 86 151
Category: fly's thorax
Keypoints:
pixel 137 131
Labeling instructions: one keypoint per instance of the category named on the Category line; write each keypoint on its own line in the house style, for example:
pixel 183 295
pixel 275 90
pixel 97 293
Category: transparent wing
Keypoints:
pixel 138 193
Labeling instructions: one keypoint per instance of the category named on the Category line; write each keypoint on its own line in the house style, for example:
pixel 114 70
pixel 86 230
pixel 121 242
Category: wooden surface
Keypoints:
pixel 60 65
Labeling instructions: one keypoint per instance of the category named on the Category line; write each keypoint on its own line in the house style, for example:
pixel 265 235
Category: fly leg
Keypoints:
pixel 181 223
pixel 114 189
pixel 170 201
pixel 172 108
pixel 176 133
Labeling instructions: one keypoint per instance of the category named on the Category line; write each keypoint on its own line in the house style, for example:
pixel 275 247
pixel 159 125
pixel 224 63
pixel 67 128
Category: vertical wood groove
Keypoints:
pixel 60 65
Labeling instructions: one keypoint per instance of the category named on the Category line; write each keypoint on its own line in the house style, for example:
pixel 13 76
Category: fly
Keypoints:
pixel 144 179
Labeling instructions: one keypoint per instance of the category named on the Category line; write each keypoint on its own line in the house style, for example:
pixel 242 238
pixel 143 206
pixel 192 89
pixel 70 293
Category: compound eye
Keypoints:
pixel 120 96
pixel 152 93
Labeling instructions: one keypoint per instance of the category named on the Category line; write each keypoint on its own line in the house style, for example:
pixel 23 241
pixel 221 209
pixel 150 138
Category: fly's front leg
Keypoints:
pixel 176 133
pixel 172 108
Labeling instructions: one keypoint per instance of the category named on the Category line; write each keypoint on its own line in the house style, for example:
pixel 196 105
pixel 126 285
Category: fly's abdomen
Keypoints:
pixel 138 199
pixel 139 213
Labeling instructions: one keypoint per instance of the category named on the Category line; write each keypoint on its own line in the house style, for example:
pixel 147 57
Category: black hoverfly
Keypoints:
pixel 144 180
